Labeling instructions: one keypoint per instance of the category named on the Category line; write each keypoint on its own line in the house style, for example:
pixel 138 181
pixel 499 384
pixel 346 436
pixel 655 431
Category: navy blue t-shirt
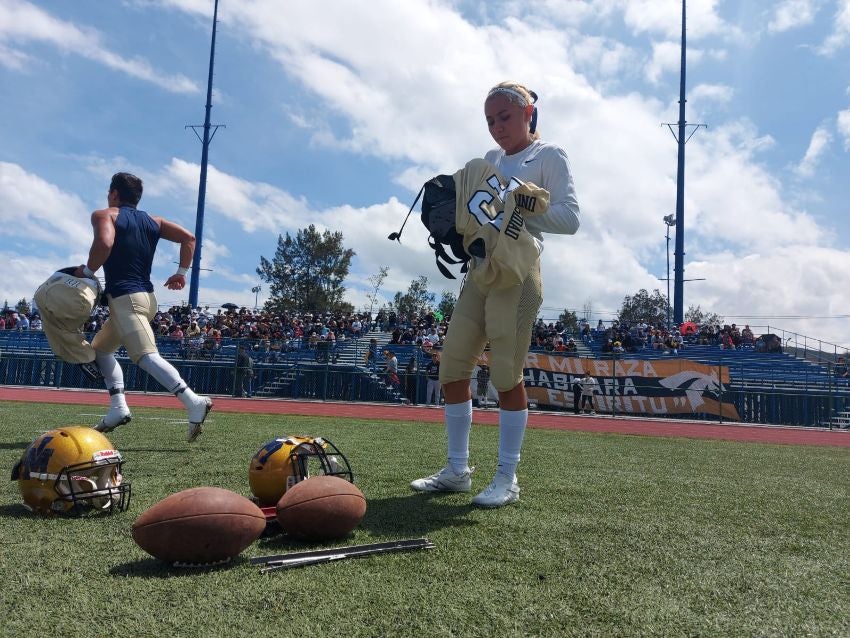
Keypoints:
pixel 128 268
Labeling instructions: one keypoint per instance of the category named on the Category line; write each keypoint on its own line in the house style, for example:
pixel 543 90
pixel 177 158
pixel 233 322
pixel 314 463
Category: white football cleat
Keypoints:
pixel 444 481
pixel 502 490
pixel 115 417
pixel 197 414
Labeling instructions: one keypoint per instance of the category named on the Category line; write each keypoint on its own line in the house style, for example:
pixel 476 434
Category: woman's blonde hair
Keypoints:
pixel 521 95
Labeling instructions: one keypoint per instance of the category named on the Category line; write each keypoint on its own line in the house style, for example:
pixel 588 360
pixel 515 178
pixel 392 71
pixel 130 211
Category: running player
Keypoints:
pixel 125 240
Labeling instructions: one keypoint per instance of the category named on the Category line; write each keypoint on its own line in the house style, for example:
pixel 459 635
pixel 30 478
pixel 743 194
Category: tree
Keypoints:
pixel 644 307
pixel 376 280
pixel 570 320
pixel 701 318
pixel 23 307
pixel 307 272
pixel 587 310
pixel 416 300
pixel 447 303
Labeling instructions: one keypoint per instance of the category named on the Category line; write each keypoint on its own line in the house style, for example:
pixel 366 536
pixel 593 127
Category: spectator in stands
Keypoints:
pixel 747 338
pixel 840 370
pixel 391 370
pixel 23 322
pixel 372 354
pixel 194 330
pixel 675 342
pixel 570 346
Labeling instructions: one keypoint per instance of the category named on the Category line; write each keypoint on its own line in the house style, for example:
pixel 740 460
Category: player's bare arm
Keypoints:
pixel 103 223
pixel 179 235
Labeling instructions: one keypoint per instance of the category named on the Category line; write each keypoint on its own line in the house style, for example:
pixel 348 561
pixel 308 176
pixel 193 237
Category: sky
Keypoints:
pixel 335 112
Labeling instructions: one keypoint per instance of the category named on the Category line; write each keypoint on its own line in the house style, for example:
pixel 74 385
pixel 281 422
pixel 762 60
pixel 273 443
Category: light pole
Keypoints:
pixel 669 220
pixel 256 289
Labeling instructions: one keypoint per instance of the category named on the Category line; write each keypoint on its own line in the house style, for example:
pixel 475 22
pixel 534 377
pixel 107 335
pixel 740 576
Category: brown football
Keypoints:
pixel 321 508
pixel 201 525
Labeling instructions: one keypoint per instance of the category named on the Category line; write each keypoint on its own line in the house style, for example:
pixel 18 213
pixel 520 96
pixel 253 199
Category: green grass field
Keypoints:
pixel 613 536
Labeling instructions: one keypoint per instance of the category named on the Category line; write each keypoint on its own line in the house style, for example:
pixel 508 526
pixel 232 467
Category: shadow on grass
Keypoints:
pixel 15 446
pixel 153 568
pixel 393 517
pixel 16 510
pixel 125 449
pixel 415 515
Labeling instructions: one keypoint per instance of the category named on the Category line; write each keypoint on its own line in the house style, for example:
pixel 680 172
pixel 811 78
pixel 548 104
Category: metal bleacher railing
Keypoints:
pixel 780 388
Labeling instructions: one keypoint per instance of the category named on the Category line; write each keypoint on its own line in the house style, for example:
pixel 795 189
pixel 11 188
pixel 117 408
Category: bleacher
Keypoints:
pixel 746 365
pixel 766 387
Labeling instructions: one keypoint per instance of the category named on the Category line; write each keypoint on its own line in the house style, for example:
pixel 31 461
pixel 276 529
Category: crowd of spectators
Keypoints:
pixel 201 332
pixel 624 337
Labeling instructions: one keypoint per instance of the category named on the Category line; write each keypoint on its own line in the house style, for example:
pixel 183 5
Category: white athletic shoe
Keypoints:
pixel 501 491
pixel 197 414
pixel 444 481
pixel 115 417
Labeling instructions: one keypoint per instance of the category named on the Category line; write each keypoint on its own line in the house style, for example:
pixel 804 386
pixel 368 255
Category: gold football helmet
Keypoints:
pixel 283 462
pixel 72 470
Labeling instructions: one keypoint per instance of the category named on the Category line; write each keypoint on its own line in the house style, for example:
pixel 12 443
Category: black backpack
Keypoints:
pixel 438 216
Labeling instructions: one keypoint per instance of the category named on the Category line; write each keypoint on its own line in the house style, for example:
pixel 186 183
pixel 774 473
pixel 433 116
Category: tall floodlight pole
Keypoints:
pixel 669 220
pixel 202 188
pixel 681 139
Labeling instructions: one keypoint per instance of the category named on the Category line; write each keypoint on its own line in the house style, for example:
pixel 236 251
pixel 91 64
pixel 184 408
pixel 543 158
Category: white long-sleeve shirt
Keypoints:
pixel 545 165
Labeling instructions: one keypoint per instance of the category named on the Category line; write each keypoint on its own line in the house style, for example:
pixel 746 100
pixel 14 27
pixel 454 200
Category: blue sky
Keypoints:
pixel 337 111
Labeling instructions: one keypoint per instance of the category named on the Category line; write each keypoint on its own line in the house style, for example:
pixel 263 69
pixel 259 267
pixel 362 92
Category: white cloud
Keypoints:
pixel 33 209
pixel 662 17
pixel 718 93
pixel 843 125
pixel 792 14
pixel 738 286
pixel 819 143
pixel 840 35
pixel 12 58
pixel 22 22
pixel 667 58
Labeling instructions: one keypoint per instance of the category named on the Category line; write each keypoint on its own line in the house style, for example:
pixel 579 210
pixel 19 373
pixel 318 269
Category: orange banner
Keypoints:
pixel 630 386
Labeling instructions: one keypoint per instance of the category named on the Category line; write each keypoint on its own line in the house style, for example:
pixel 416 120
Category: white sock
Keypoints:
pixel 167 376
pixel 458 425
pixel 113 378
pixel 511 431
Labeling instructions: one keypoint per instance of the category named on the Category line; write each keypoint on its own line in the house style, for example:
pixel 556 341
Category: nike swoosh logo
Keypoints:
pixel 528 161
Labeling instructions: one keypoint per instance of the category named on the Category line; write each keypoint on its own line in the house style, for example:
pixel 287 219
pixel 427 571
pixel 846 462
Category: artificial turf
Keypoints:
pixel 613 536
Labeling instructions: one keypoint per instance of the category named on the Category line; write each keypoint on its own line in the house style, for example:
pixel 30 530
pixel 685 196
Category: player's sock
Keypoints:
pixel 117 398
pixel 113 376
pixel 511 431
pixel 458 425
pixel 165 373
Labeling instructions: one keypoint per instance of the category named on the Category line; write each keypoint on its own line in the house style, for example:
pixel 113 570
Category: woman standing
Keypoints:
pixel 505 317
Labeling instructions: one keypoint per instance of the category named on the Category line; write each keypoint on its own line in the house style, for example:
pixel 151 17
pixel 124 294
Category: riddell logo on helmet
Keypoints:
pixel 105 454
